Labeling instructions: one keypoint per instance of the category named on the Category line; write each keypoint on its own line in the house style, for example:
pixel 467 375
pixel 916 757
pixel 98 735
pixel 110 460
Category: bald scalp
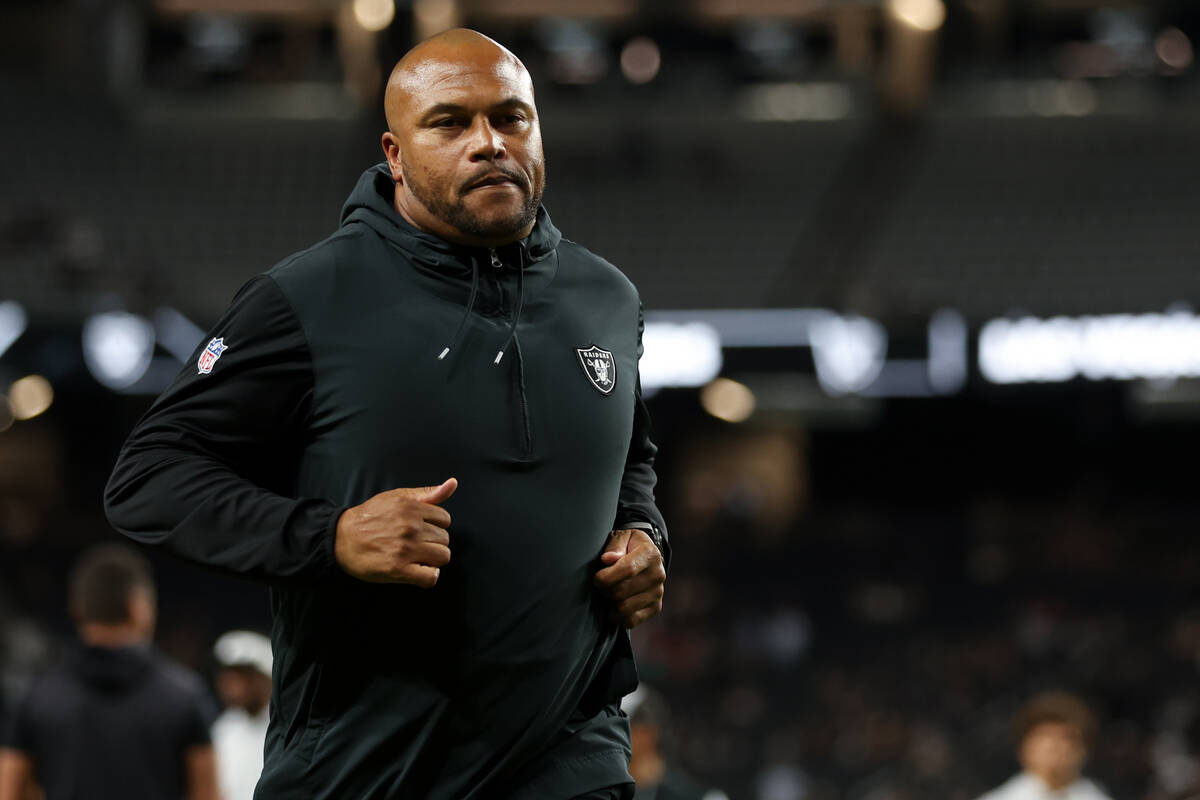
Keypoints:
pixel 460 48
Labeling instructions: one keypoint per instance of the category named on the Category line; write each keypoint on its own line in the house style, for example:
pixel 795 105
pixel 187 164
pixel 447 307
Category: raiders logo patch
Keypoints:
pixel 210 355
pixel 599 367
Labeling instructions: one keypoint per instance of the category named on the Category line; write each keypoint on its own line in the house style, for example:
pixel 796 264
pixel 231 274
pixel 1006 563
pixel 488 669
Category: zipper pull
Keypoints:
pixel 496 262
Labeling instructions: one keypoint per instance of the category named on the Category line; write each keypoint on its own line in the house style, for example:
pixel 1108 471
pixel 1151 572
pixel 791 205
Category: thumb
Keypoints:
pixel 618 545
pixel 435 495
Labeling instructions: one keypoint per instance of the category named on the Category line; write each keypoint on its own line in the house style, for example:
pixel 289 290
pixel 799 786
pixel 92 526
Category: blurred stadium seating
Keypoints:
pixel 870 586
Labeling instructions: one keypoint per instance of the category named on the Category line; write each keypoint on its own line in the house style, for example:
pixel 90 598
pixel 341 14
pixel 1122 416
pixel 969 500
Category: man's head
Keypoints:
pixel 463 141
pixel 1053 732
pixel 244 680
pixel 648 721
pixel 112 596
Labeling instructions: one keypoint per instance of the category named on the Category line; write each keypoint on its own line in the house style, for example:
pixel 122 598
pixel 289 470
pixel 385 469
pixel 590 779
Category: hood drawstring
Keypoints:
pixel 512 331
pixel 467 315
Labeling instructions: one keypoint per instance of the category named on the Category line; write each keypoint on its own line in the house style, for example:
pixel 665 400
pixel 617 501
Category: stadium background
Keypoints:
pixel 920 345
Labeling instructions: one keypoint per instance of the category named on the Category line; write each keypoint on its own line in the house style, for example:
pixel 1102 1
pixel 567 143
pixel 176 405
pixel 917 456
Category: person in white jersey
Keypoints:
pixel 244 686
pixel 1053 731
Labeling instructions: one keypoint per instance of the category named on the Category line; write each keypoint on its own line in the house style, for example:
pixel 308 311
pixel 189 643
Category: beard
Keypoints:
pixel 457 214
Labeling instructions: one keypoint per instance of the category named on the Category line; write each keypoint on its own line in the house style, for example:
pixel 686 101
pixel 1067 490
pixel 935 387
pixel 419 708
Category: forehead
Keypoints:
pixel 1056 727
pixel 467 81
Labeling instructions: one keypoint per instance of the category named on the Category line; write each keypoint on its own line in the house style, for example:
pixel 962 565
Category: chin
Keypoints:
pixel 499 225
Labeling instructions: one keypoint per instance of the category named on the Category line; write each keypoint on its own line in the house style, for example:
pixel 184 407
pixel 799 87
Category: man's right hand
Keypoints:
pixel 397 537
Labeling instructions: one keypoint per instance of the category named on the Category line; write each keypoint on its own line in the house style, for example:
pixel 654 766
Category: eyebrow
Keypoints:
pixel 455 108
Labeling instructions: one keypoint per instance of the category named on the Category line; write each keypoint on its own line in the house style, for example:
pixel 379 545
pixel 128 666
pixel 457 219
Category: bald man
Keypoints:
pixel 426 433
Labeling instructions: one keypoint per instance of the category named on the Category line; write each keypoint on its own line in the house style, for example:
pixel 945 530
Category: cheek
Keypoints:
pixel 422 164
pixel 434 183
pixel 537 159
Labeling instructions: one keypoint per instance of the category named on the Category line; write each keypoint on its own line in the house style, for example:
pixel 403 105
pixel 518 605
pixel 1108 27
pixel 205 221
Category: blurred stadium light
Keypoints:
pixel 374 15
pixel 118 347
pixel 728 399
pixel 12 323
pixel 30 396
pixel 686 353
pixel 532 10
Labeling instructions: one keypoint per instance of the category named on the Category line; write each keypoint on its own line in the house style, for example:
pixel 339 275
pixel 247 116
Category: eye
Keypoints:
pixel 511 119
pixel 448 122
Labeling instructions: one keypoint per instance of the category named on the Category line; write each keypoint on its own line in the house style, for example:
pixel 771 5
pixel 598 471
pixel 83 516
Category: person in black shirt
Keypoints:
pixel 446 374
pixel 115 719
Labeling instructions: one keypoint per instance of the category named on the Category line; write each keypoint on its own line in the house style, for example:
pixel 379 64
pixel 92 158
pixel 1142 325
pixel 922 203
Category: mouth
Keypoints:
pixel 496 179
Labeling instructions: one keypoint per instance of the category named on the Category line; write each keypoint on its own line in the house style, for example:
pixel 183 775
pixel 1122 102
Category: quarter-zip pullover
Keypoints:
pixel 386 357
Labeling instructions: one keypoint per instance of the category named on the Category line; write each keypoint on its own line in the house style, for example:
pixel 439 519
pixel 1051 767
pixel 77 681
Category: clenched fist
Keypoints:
pixel 397 536
pixel 633 576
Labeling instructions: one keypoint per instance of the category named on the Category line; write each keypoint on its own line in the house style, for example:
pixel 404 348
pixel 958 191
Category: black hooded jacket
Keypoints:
pixel 112 723
pixel 385 357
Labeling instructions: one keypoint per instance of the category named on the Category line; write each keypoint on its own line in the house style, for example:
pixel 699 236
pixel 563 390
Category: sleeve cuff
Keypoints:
pixel 651 530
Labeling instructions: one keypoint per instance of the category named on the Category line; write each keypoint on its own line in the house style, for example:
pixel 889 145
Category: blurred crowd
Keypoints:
pixel 882 655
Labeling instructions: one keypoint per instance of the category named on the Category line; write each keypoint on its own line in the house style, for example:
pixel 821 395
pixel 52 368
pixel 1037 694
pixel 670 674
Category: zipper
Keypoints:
pixel 497 279
pixel 522 401
pixel 527 427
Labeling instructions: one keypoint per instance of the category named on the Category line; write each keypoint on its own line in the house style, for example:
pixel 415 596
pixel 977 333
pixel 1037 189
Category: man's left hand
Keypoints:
pixel 633 576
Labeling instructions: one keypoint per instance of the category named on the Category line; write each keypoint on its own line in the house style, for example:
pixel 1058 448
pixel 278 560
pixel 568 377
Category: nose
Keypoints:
pixel 487 144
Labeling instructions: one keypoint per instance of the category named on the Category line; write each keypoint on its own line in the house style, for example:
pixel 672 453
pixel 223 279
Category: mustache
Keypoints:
pixel 491 172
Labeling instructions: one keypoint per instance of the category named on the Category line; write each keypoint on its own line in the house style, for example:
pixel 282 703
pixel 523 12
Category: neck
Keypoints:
pixel 1055 783
pixel 99 634
pixel 254 709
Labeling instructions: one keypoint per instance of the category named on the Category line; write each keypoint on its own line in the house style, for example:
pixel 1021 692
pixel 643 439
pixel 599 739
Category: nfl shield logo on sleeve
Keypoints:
pixel 210 355
pixel 599 366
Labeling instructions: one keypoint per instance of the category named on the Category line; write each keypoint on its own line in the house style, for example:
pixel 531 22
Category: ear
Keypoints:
pixel 391 151
pixel 141 610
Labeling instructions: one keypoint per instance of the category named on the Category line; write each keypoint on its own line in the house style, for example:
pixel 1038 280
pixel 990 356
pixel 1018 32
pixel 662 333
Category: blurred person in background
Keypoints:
pixel 447 329
pixel 115 719
pixel 240 733
pixel 1053 731
pixel 656 777
pixel 1177 776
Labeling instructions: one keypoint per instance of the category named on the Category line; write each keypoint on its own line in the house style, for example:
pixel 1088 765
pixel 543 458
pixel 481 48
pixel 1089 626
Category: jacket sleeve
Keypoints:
pixel 635 506
pixel 207 471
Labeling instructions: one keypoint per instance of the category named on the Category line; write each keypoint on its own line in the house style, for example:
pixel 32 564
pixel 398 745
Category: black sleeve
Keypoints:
pixel 206 472
pixel 197 724
pixel 16 731
pixel 636 501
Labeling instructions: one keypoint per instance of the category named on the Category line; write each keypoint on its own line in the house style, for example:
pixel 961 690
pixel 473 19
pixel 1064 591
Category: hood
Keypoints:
pixel 111 669
pixel 371 202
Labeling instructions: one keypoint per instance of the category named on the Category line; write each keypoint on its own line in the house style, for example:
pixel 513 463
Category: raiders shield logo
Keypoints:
pixel 599 366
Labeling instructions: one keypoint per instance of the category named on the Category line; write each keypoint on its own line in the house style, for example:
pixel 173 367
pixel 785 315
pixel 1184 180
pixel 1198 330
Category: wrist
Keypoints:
pixel 651 530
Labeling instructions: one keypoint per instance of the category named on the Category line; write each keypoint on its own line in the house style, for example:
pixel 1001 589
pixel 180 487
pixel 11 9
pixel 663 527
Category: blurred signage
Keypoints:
pixel 849 351
pixel 1105 347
